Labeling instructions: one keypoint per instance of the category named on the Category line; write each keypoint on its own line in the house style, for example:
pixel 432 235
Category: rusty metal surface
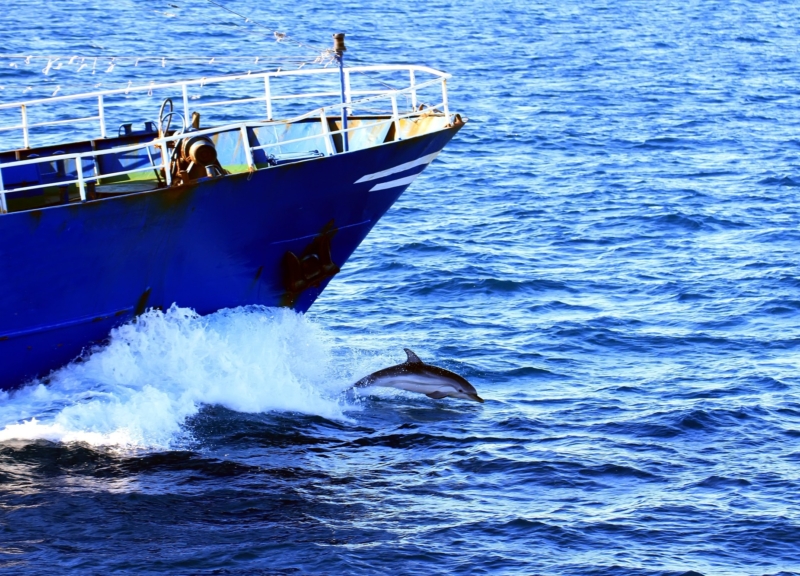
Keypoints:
pixel 365 132
pixel 411 127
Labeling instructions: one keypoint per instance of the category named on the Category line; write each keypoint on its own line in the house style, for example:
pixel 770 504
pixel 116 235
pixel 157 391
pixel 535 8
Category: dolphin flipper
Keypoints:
pixel 412 358
pixel 436 395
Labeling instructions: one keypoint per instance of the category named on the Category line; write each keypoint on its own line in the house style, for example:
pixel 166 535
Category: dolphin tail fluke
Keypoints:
pixel 412 358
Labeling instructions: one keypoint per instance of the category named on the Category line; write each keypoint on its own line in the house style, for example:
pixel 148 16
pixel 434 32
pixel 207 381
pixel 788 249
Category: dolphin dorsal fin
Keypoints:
pixel 412 358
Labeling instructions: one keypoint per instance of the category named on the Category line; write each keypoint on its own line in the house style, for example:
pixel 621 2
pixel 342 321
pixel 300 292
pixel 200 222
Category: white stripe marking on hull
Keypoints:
pixel 427 159
pixel 394 183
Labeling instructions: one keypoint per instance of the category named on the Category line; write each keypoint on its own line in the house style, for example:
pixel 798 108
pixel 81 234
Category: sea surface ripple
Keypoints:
pixel 608 252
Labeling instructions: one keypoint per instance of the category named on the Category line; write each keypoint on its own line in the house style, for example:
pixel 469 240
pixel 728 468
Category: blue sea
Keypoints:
pixel 608 251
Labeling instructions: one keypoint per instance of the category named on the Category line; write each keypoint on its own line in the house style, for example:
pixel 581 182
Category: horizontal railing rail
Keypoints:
pixel 268 98
pixel 162 142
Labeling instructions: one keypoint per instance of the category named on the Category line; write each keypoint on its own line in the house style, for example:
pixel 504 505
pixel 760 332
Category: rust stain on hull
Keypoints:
pixel 141 304
pixel 313 266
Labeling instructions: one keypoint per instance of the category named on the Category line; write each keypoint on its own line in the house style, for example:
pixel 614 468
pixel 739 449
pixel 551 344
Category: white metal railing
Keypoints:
pixel 269 97
pixel 161 142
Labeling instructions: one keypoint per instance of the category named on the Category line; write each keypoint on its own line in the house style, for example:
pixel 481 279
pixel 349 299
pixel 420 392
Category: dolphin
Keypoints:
pixel 416 376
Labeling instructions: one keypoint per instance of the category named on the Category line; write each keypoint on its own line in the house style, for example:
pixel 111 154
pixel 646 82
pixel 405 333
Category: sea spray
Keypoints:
pixel 154 373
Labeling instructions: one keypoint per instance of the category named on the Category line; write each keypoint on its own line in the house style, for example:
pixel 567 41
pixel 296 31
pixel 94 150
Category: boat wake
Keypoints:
pixel 139 389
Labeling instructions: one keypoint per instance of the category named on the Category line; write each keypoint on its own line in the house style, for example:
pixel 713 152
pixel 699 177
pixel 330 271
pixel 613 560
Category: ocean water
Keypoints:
pixel 608 251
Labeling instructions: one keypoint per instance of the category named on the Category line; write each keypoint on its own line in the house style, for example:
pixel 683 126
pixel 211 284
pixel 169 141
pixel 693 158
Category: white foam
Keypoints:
pixel 155 373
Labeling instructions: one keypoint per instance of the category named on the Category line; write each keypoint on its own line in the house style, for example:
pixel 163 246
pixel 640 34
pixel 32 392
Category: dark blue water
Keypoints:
pixel 608 252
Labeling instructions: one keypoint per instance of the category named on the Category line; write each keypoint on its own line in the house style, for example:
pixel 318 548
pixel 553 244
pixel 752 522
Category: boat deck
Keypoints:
pixel 141 157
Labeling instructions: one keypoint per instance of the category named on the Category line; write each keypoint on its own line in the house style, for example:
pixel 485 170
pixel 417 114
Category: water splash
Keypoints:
pixel 138 390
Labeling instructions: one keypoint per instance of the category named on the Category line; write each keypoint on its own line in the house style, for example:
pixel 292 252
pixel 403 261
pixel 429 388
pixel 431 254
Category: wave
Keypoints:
pixel 779 181
pixel 693 221
pixel 462 284
pixel 155 373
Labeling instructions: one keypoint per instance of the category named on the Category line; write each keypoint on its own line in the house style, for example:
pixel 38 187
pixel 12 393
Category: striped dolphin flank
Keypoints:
pixel 414 375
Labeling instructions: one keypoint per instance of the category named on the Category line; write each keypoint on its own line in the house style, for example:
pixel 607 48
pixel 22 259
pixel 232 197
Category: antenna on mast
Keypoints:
pixel 339 49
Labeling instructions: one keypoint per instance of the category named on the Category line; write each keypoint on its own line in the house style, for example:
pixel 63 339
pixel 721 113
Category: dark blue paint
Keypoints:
pixel 85 266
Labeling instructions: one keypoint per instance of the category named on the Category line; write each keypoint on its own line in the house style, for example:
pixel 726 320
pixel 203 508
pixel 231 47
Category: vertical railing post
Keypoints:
pixel 81 183
pixel 165 162
pixel 248 152
pixel 3 205
pixel 444 101
pixel 101 112
pixel 339 49
pixel 413 89
pixel 395 116
pixel 25 136
pixel 326 133
pixel 185 90
pixel 268 97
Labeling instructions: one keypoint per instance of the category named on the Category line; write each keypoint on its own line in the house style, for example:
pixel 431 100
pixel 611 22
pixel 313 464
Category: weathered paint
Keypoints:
pixel 365 133
pixel 309 268
pixel 411 127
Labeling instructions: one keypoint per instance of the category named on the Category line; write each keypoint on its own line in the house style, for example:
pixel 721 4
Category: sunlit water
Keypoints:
pixel 608 252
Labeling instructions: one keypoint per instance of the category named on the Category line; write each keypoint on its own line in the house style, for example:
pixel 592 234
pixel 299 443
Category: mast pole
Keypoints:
pixel 339 49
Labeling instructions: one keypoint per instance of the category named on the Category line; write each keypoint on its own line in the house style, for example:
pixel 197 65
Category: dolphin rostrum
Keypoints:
pixel 416 376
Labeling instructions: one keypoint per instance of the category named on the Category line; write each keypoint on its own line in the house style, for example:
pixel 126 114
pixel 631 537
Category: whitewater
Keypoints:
pixel 138 390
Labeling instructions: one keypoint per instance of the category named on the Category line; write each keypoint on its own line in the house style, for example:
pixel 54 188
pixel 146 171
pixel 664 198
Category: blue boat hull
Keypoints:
pixel 71 273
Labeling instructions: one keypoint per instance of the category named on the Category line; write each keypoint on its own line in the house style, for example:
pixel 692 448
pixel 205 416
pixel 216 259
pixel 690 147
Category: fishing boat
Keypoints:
pixel 209 205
